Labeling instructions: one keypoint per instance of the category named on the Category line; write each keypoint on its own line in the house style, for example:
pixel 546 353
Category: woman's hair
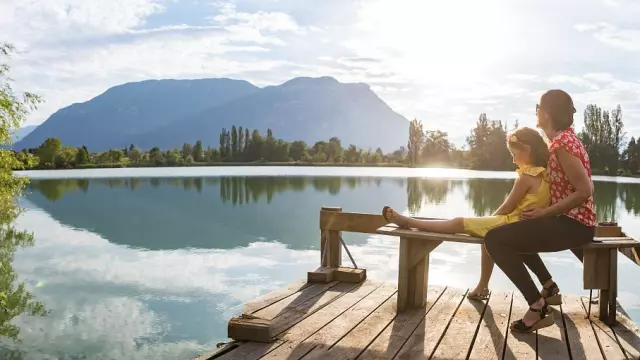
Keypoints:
pixel 559 106
pixel 527 137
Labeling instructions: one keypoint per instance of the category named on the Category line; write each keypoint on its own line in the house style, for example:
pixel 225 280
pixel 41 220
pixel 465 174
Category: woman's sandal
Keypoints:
pixel 481 295
pixel 387 214
pixel 553 295
pixel 546 319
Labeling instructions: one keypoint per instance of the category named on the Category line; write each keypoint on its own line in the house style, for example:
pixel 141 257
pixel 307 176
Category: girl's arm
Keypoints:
pixel 578 177
pixel 520 188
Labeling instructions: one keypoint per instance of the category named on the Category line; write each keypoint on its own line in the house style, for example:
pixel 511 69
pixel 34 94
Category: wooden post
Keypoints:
pixel 330 253
pixel 330 247
pixel 413 272
pixel 600 271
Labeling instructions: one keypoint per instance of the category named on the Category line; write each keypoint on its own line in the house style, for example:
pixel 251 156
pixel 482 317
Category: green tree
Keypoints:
pixel 187 150
pixel 15 299
pixel 234 142
pixel 49 150
pixel 197 151
pixel 436 148
pixel 416 137
pixel 298 150
pixel 478 142
pixel 82 155
pixel 135 155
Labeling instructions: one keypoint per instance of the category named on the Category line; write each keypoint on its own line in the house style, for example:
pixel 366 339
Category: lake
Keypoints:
pixel 152 263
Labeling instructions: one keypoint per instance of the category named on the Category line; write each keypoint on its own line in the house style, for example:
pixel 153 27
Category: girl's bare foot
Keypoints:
pixel 392 216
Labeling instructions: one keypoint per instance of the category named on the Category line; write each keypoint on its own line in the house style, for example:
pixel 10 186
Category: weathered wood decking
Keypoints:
pixel 340 320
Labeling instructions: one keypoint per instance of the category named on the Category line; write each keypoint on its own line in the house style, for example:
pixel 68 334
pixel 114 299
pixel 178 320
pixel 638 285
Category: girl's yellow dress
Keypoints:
pixel 479 226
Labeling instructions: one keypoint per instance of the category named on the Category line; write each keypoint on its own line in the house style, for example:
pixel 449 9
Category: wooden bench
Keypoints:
pixel 599 264
pixel 599 258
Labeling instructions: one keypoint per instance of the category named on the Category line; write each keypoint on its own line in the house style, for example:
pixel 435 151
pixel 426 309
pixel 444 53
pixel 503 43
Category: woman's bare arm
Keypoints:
pixel 520 188
pixel 578 177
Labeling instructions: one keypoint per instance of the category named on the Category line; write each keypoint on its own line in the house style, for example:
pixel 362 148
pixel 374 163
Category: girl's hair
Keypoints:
pixel 527 137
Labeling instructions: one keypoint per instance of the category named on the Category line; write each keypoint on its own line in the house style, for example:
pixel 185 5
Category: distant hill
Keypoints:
pixel 23 131
pixel 168 113
pixel 108 119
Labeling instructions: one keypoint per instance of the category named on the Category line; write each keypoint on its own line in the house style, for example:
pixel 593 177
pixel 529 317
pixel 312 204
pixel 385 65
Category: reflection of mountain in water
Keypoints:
pixel 226 212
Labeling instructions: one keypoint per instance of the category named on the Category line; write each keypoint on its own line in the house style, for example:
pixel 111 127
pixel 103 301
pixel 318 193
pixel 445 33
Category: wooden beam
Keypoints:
pixel 595 268
pixel 322 275
pixel 350 275
pixel 413 273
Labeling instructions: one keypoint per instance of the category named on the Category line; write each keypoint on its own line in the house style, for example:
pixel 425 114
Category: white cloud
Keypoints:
pixel 627 39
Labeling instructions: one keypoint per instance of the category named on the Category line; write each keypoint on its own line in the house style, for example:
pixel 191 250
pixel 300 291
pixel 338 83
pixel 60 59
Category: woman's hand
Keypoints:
pixel 532 213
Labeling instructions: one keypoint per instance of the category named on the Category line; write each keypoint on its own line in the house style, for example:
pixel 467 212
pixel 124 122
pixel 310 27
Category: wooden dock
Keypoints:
pixel 341 320
pixel 338 314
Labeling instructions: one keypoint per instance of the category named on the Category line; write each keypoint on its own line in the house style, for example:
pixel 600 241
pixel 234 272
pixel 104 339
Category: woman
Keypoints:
pixel 569 222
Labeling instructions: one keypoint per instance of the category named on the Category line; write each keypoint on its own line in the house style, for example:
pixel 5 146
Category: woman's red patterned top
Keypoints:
pixel 560 185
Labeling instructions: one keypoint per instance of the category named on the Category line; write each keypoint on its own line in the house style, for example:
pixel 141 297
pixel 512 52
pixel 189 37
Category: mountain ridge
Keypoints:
pixel 167 113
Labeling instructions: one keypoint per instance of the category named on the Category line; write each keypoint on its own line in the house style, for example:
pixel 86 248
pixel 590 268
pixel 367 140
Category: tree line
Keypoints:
pixel 238 145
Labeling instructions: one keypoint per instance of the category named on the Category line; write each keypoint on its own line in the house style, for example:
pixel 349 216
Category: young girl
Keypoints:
pixel 530 190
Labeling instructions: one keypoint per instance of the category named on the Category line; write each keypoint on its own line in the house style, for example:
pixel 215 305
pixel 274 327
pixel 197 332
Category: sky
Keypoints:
pixel 441 62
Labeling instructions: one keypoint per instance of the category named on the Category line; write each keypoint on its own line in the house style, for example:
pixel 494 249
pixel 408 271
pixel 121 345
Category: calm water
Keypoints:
pixel 151 263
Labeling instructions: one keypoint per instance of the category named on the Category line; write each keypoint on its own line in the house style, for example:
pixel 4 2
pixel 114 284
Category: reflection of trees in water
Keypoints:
pixel 605 195
pixel 486 195
pixel 15 300
pixel 432 191
pixel 237 190
pixel 629 195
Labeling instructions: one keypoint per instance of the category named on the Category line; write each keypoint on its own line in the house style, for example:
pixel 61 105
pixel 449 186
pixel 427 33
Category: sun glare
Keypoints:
pixel 432 40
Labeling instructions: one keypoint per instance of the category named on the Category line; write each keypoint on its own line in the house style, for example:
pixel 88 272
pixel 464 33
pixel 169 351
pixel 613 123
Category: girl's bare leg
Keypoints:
pixel 452 226
pixel 486 269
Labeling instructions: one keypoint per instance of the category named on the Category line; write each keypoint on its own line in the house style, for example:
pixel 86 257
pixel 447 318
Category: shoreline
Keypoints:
pixel 281 164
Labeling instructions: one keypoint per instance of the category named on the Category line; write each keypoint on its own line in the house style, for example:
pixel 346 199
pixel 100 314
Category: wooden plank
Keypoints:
pixel 321 275
pixel 249 329
pixel 289 318
pixel 424 339
pixel 351 222
pixel 298 299
pixel 393 230
pixel 274 296
pixel 389 341
pixel 519 346
pixel 552 341
pixel 605 337
pixel 306 327
pixel 607 243
pixel 356 341
pixel 628 335
pixel 355 222
pixel 580 334
pixel 492 334
pixel 461 333
pixel 338 327
pixel 613 287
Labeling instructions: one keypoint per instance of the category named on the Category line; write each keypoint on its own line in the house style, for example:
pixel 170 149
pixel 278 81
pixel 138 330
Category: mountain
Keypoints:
pixel 168 113
pixel 22 132
pixel 124 110
pixel 308 109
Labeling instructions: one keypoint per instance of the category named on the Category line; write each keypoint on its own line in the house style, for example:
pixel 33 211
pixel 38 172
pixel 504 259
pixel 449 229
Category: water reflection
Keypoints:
pixel 483 195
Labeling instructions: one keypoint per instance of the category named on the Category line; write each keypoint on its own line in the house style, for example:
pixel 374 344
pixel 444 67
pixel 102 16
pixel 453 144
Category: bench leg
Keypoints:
pixel 413 272
pixel 608 297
